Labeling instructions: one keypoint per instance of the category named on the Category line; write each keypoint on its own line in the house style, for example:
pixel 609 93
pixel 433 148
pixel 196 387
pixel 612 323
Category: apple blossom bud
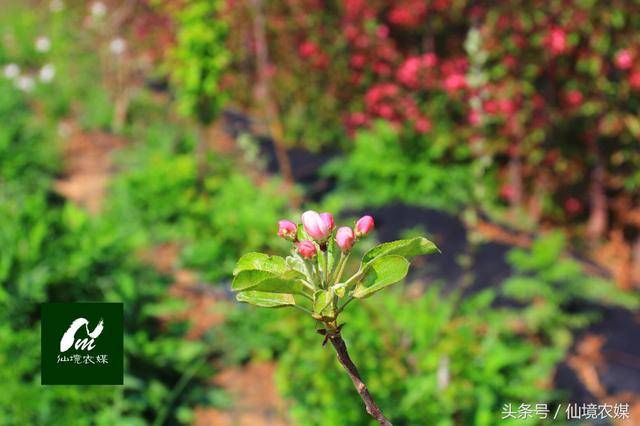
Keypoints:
pixel 287 229
pixel 345 238
pixel 364 225
pixel 306 249
pixel 318 226
pixel 327 218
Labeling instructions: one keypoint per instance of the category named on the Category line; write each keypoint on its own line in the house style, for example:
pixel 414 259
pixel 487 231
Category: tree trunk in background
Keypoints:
pixel 540 187
pixel 598 219
pixel 635 260
pixel 515 180
pixel 120 110
pixel 263 92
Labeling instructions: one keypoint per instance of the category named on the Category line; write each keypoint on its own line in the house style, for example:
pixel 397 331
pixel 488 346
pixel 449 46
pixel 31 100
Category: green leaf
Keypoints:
pixel 288 282
pixel 247 279
pixel 260 262
pixel 266 300
pixel 380 273
pixel 296 263
pixel 281 285
pixel 406 248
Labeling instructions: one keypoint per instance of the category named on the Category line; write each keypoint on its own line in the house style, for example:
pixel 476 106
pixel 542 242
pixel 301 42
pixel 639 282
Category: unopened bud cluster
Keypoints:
pixel 320 228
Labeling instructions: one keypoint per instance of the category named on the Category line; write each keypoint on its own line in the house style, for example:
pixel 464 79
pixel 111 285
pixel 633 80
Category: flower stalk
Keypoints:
pixel 340 268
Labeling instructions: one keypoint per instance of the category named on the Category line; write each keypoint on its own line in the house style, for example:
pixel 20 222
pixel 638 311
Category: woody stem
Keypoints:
pixel 343 356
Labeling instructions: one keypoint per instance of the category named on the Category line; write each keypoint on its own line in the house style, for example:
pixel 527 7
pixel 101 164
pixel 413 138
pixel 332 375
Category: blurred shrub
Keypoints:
pixel 23 155
pixel 54 251
pixel 96 111
pixel 216 219
pixel 556 292
pixel 387 165
pixel 57 68
pixel 199 59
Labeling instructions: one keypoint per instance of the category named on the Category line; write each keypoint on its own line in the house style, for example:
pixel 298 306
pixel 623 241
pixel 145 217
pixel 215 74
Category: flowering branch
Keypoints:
pixel 311 278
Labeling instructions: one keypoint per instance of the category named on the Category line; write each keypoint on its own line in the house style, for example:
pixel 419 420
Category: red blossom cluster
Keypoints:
pixel 311 51
pixel 547 85
pixel 392 79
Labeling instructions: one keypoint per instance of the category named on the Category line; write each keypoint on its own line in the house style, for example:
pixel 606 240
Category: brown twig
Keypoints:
pixel 343 356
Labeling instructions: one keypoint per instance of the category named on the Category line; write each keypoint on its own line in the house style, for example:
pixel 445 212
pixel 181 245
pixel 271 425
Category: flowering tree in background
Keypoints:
pixel 540 99
pixel 312 278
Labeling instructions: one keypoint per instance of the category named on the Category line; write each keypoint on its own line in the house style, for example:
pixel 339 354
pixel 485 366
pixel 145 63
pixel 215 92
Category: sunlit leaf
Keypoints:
pixel 288 282
pixel 247 279
pixel 280 285
pixel 406 248
pixel 380 273
pixel 296 263
pixel 260 262
pixel 266 300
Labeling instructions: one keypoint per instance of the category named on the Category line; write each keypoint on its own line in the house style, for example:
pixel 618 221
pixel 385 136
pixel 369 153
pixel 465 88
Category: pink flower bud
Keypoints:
pixel 287 229
pixel 318 226
pixel 345 238
pixel 327 218
pixel 306 249
pixel 364 225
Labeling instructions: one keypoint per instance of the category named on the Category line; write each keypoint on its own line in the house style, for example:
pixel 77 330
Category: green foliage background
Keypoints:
pixel 430 354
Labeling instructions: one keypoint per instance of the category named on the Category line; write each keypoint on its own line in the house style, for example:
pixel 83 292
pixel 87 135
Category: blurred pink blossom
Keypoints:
pixel 623 59
pixel 455 82
pixel 557 40
pixel 423 125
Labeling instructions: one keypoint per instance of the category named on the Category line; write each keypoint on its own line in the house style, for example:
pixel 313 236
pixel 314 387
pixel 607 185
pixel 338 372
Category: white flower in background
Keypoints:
pixel 117 46
pixel 98 9
pixel 56 5
pixel 11 71
pixel 47 73
pixel 43 44
pixel 25 83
